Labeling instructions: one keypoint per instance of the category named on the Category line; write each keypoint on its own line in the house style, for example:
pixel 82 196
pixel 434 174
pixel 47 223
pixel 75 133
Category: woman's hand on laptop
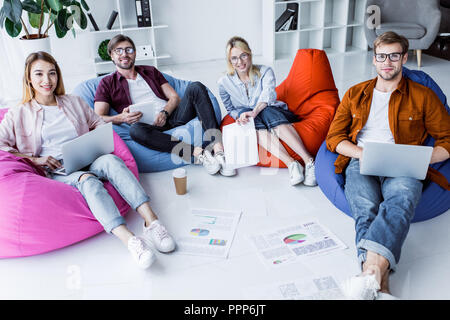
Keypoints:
pixel 48 161
pixel 130 117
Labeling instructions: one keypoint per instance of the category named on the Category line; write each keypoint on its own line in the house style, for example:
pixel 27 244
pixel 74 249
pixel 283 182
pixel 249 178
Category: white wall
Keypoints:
pixel 199 29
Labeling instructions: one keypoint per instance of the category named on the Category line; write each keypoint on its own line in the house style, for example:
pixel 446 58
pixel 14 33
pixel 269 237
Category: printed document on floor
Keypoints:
pixel 240 144
pixel 299 241
pixel 209 233
pixel 311 288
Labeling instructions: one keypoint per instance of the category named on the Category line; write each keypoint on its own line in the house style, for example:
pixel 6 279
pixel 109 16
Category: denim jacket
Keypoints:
pixel 234 95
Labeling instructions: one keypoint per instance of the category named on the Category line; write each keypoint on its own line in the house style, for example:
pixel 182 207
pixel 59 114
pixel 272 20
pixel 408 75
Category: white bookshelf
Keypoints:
pixel 336 26
pixel 125 23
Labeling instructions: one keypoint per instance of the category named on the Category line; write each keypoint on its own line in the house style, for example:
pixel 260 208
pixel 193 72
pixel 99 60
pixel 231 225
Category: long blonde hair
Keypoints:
pixel 238 42
pixel 28 93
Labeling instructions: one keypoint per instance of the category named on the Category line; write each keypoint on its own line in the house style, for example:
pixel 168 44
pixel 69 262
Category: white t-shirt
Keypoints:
pixel 140 91
pixel 377 127
pixel 56 129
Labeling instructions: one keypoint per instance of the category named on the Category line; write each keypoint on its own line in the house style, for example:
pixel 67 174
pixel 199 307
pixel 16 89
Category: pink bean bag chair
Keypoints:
pixel 38 214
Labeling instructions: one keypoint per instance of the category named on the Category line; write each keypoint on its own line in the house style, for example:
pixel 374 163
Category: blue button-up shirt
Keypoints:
pixel 234 95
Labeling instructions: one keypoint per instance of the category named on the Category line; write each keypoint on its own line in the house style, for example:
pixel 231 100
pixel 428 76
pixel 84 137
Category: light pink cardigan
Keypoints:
pixel 20 130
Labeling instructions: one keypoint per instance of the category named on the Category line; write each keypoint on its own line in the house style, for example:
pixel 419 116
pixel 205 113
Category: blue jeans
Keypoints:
pixel 112 168
pixel 383 209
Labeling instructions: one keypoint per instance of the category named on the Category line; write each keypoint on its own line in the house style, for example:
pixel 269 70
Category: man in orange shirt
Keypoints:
pixel 388 109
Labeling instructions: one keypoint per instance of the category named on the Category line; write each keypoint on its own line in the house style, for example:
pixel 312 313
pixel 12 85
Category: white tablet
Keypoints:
pixel 149 110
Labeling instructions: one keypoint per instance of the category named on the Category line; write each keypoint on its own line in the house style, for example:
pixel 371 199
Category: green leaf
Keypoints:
pixel 34 19
pixel 59 32
pixel 66 3
pixel 13 29
pixel 13 10
pixel 85 5
pixel 55 5
pixel 61 20
pixel 31 6
pixel 84 21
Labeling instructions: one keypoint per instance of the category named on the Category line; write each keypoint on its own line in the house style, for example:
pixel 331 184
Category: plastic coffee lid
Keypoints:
pixel 179 173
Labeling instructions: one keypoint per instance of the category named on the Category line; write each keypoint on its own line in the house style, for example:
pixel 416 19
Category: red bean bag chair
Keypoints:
pixel 38 214
pixel 310 93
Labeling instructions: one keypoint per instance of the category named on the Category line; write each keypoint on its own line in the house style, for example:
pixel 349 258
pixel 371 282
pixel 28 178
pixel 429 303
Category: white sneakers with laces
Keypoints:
pixel 295 173
pixel 361 287
pixel 157 234
pixel 210 163
pixel 224 169
pixel 141 253
pixel 310 174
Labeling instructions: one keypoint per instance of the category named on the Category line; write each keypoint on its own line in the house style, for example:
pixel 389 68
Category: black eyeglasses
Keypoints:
pixel 244 56
pixel 128 50
pixel 394 56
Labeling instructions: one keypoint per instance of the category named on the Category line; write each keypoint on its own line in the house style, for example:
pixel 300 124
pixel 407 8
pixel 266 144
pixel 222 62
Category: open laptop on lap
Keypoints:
pixel 395 160
pixel 82 151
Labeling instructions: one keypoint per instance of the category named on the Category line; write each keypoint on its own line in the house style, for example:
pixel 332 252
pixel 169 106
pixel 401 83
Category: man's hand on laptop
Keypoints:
pixel 130 117
pixel 48 161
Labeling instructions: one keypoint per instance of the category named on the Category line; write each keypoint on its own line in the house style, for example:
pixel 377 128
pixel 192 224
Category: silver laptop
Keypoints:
pixel 82 151
pixel 395 160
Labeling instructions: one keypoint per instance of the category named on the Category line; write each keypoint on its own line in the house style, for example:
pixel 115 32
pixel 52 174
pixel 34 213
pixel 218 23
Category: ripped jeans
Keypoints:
pixel 112 168
pixel 383 209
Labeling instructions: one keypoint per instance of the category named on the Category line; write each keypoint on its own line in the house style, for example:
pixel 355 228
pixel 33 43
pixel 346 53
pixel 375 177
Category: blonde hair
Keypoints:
pixel 28 93
pixel 240 43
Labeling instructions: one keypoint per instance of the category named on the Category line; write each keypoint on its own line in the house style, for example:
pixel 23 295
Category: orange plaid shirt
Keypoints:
pixel 415 112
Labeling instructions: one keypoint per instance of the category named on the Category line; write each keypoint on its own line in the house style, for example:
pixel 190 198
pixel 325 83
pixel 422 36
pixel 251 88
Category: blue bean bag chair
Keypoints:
pixel 435 200
pixel 149 160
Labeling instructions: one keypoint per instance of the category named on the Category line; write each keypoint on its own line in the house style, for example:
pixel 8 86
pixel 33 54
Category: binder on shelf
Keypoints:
pixel 293 6
pixel 287 25
pixel 143 13
pixel 112 19
pixel 291 11
pixel 94 24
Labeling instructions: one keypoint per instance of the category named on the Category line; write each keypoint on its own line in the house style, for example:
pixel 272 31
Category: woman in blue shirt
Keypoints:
pixel 248 90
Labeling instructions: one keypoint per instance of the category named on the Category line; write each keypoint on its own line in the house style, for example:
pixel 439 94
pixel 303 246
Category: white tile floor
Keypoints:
pixel 101 268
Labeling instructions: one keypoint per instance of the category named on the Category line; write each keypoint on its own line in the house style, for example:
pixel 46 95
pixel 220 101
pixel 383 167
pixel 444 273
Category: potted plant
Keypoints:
pixel 42 15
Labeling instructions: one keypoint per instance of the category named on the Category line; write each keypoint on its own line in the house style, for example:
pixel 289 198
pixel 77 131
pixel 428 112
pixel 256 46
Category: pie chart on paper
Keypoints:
pixel 295 238
pixel 199 232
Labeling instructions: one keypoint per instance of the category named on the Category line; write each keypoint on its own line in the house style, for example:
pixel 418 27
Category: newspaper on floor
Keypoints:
pixel 209 232
pixel 287 244
pixel 314 288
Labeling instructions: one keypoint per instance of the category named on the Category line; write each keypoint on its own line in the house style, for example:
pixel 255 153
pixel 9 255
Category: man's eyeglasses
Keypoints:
pixel 394 56
pixel 128 50
pixel 244 57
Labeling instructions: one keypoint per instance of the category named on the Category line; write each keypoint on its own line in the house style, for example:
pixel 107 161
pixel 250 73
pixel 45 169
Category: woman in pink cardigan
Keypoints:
pixel 46 119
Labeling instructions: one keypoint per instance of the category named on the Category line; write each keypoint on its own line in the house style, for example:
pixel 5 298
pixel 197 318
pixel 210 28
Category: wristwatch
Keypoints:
pixel 166 113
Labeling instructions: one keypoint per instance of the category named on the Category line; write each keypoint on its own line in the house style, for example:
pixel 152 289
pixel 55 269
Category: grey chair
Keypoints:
pixel 417 20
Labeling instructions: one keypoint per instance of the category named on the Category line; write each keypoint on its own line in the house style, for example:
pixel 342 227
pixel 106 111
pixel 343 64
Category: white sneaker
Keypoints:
pixel 157 234
pixel 206 159
pixel 386 296
pixel 361 287
pixel 310 174
pixel 295 173
pixel 224 169
pixel 142 254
